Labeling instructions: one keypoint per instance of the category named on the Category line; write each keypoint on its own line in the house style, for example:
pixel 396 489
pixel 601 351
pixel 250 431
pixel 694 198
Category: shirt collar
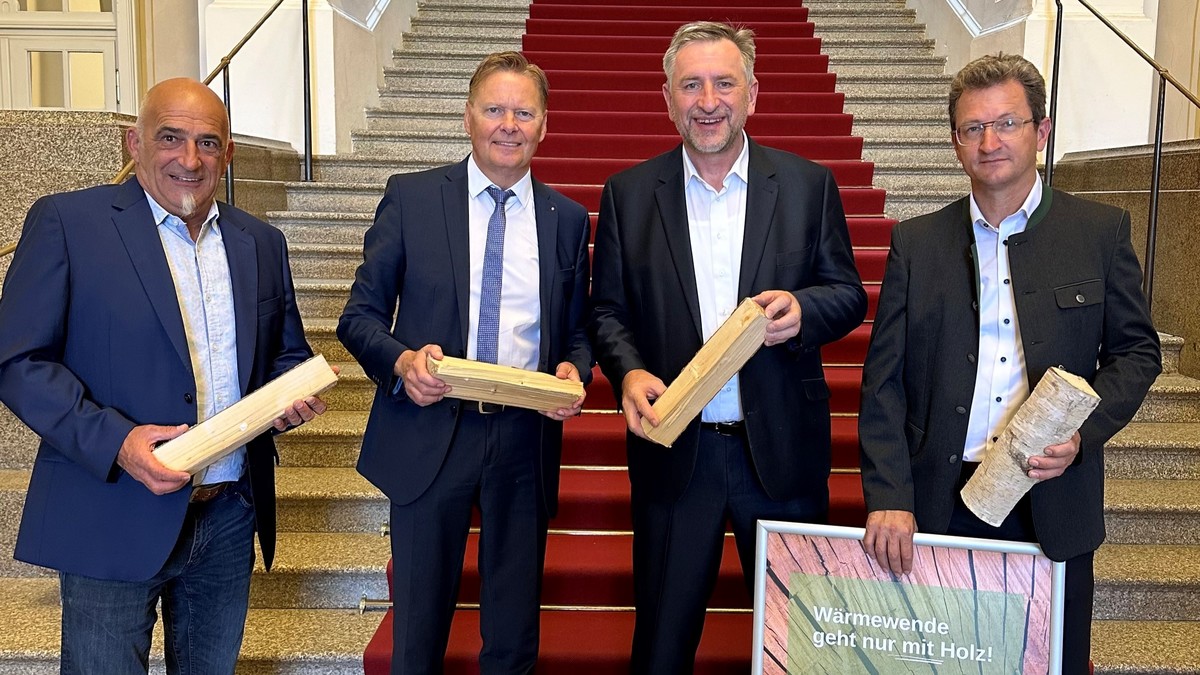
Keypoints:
pixel 160 215
pixel 1026 210
pixel 740 168
pixel 477 183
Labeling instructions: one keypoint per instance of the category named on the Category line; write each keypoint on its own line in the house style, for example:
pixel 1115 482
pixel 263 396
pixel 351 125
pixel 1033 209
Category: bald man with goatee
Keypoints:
pixel 131 312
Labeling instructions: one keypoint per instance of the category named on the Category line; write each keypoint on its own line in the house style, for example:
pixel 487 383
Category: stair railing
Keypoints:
pixel 1164 77
pixel 223 70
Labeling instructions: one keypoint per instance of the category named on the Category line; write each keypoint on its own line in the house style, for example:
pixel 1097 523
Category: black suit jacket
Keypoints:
pixel 919 376
pixel 647 313
pixel 92 344
pixel 413 289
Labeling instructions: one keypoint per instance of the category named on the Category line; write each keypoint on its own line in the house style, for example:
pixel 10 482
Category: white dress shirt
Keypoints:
pixel 716 227
pixel 520 296
pixel 204 290
pixel 1001 382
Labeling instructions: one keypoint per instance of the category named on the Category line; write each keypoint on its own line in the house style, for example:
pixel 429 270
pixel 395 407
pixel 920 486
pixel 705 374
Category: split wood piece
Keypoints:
pixel 729 348
pixel 231 428
pixel 505 385
pixel 1060 404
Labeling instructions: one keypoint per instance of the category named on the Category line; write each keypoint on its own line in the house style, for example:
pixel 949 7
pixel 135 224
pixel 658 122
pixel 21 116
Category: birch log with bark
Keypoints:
pixel 1058 406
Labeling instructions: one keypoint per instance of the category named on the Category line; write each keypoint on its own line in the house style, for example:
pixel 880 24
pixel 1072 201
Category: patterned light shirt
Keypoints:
pixel 1001 383
pixel 204 290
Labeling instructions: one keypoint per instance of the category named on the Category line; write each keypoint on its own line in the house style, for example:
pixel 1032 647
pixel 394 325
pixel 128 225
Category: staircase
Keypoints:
pixel 887 103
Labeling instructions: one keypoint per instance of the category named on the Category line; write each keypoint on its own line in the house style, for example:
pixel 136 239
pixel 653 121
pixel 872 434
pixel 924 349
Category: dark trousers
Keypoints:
pixel 1079 584
pixel 204 587
pixel 493 463
pixel 677 549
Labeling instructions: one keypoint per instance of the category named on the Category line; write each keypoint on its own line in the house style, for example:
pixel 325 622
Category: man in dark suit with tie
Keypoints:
pixel 130 312
pixel 978 301
pixel 681 239
pixel 475 260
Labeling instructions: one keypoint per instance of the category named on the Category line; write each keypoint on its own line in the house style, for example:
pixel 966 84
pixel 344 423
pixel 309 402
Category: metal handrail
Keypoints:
pixel 223 69
pixel 1164 77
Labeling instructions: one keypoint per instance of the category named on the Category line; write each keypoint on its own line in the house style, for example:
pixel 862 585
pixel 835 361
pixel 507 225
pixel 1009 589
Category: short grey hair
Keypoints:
pixel 989 71
pixel 711 31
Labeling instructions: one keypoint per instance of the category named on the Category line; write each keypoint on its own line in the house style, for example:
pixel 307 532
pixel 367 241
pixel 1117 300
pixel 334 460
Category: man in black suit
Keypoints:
pixel 978 301
pixel 474 260
pixel 681 239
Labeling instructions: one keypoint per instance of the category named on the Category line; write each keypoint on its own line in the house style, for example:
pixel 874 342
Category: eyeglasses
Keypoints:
pixel 1005 129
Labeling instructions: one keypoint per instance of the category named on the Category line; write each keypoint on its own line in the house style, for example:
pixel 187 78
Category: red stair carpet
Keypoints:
pixel 607 114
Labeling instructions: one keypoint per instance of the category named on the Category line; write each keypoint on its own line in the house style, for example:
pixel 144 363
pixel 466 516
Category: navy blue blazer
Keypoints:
pixel 413 289
pixel 92 344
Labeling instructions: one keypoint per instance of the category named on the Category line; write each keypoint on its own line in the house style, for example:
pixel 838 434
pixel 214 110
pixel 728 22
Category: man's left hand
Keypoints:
pixel 302 410
pixel 567 371
pixel 1054 460
pixel 783 309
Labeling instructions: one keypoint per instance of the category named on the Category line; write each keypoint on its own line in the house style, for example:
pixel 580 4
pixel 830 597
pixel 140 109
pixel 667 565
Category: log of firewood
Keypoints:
pixel 1058 406
pixel 505 385
pixel 231 428
pixel 721 357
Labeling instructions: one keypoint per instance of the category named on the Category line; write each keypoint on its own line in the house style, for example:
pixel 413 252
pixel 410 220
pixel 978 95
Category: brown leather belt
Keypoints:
pixel 207 493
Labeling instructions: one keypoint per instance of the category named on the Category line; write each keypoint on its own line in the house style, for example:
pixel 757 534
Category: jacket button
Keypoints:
pixel 187 398
pixel 971 358
pixel 953 459
pixel 960 410
pixel 1080 299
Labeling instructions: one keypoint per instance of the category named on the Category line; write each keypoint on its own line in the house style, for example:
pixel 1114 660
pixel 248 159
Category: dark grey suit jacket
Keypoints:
pixel 1076 283
pixel 647 312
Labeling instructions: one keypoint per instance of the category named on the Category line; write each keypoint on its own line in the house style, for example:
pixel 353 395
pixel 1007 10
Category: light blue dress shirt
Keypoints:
pixel 204 290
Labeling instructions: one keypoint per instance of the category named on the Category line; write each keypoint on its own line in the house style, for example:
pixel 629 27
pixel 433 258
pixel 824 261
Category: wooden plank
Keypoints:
pixel 231 428
pixel 505 385
pixel 729 348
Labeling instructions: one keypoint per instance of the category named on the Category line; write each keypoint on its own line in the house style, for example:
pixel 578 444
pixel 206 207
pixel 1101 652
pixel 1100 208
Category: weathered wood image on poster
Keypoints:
pixel 823 605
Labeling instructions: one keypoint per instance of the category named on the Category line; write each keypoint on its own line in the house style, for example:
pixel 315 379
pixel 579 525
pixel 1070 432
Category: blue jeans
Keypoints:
pixel 204 587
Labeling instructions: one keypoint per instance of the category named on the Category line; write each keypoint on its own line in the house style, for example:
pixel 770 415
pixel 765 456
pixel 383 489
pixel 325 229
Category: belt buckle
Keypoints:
pixel 207 493
pixel 485 408
pixel 733 429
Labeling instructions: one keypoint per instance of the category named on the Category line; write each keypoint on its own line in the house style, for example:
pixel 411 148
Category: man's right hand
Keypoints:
pixel 638 387
pixel 421 386
pixel 889 538
pixel 137 458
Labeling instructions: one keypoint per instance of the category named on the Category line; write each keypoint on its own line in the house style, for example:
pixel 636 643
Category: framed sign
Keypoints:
pixel 823 605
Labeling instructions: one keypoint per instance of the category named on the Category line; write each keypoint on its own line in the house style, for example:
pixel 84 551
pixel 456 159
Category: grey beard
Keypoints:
pixel 188 204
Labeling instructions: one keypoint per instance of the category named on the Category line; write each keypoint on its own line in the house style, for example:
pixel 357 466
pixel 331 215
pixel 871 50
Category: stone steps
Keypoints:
pixel 832 28
pixel 322 336
pixel 277 642
pixel 1154 450
pixel 1152 512
pixel 1147 583
pixel 1145 647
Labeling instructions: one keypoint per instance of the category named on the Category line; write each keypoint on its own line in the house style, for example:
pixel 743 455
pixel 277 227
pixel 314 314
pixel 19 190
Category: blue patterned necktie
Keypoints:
pixel 487 338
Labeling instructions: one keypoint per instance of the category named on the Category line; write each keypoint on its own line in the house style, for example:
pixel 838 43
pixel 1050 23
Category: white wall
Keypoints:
pixel 347 64
pixel 1104 87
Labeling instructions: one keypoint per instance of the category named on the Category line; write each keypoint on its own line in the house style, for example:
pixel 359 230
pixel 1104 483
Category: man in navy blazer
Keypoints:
pixel 682 238
pixel 130 312
pixel 423 291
